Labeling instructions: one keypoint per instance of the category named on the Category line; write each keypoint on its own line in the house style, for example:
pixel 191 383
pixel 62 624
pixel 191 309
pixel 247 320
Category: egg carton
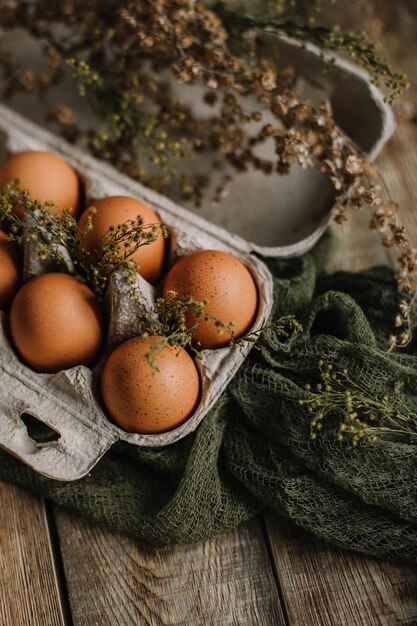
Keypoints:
pixel 67 401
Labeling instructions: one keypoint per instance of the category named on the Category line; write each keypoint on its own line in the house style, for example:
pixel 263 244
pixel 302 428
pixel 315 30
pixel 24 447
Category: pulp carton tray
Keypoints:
pixel 68 401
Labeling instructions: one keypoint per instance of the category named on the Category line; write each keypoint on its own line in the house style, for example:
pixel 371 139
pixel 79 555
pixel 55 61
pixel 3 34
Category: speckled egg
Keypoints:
pixel 56 323
pixel 141 399
pixel 9 271
pixel 116 210
pixel 46 176
pixel 225 283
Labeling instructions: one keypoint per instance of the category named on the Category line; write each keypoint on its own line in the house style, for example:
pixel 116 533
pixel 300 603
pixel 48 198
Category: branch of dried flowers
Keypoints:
pixel 107 47
pixel 384 220
pixel 282 329
pixel 55 234
pixel 314 138
pixel 356 45
pixel 169 320
pixel 340 403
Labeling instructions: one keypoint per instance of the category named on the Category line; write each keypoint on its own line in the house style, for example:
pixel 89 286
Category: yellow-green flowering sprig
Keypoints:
pixel 115 97
pixel 55 234
pixel 169 321
pixel 355 44
pixel 115 250
pixel 338 402
pixel 50 233
pixel 170 324
pixel 283 328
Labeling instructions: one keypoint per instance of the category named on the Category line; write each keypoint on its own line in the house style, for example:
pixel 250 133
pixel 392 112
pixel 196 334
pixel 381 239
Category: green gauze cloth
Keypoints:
pixel 253 450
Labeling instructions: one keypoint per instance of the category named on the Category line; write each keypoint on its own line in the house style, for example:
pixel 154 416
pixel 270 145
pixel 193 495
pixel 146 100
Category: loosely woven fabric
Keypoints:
pixel 253 449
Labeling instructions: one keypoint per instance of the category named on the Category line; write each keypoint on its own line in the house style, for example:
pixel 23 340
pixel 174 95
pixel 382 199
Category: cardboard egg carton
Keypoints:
pixel 282 220
pixel 68 402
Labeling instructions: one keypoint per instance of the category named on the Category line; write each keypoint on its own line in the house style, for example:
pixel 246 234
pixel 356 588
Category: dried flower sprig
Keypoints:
pixel 169 320
pixel 116 56
pixel 359 187
pixel 286 19
pixel 59 238
pixel 282 329
pixel 340 405
pixel 314 139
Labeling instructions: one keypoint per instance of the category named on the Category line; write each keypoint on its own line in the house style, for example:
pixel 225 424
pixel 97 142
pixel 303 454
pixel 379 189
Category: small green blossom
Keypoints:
pixel 169 321
pixel 343 407
pixel 55 233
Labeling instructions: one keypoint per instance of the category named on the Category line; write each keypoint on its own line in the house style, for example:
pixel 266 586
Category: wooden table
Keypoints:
pixel 57 569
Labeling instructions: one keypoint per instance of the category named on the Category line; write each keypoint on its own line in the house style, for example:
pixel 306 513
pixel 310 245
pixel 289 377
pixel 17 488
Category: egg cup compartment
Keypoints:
pixel 68 402
pixel 64 402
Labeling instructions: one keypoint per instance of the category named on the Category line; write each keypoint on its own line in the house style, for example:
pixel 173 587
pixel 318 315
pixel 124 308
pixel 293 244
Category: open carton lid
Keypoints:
pixel 284 216
pixel 273 215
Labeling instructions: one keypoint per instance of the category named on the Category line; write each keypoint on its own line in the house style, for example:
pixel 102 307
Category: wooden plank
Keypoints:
pixel 398 162
pixel 322 585
pixel 113 579
pixel 394 24
pixel 325 586
pixel 28 586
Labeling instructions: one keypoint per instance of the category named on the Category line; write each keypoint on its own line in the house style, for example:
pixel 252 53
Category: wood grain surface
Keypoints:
pixel 115 580
pixel 29 594
pixel 325 586
pixel 394 26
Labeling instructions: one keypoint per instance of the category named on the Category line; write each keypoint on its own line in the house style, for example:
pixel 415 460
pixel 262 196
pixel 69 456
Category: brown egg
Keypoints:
pixel 9 271
pixel 116 210
pixel 225 283
pixel 142 400
pixel 56 323
pixel 46 176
